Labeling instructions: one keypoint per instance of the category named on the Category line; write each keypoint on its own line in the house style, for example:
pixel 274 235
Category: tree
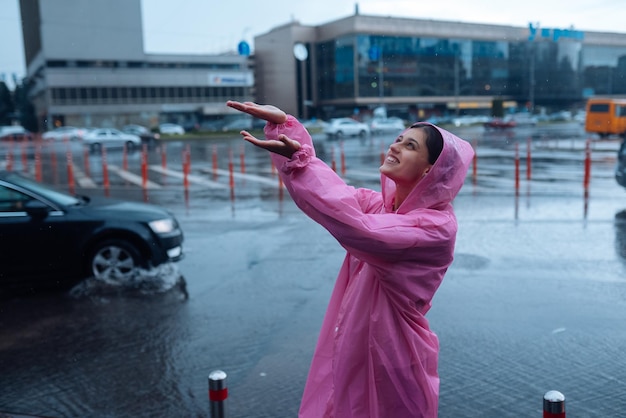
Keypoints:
pixel 25 108
pixel 7 107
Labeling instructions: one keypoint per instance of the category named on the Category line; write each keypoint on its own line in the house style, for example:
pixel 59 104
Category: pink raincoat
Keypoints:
pixel 376 355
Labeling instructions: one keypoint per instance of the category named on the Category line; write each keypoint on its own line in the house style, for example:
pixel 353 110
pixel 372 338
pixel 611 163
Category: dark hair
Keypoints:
pixel 434 140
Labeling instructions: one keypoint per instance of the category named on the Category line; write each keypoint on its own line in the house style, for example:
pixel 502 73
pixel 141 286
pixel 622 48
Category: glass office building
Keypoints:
pixel 427 67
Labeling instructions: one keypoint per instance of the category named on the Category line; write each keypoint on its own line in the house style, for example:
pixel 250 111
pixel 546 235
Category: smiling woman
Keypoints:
pixel 376 355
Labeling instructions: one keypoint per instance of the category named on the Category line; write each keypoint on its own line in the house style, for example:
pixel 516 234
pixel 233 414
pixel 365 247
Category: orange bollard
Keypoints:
pixel 144 166
pixel 587 176
pixel 343 159
pixel 38 173
pixel 105 172
pixel 24 160
pixel 332 159
pixel 9 157
pixel 214 161
pixel 231 174
pixel 70 170
pixel 125 158
pixel 382 153
pixel 185 169
pixel 188 156
pixel 53 163
pixel 517 166
pixel 528 159
pixel 163 157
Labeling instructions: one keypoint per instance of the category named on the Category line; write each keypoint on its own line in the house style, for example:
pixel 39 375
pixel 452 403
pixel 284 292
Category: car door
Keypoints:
pixel 32 239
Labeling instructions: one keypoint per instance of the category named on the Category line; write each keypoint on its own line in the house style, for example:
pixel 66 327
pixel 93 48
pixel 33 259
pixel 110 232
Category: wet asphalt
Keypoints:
pixel 534 301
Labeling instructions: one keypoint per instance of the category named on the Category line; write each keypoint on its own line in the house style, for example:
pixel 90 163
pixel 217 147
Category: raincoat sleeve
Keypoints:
pixel 377 238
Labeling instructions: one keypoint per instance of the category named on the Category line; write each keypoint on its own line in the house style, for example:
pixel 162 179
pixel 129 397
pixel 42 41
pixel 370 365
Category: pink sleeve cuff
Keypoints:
pixel 299 159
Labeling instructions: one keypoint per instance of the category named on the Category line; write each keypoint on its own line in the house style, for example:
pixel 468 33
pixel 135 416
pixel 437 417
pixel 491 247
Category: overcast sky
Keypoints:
pixel 213 26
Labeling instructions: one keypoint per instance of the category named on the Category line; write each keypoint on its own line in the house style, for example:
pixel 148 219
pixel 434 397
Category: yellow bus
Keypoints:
pixel 606 116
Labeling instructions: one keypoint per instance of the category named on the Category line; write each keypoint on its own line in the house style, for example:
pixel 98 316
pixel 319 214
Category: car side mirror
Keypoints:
pixel 36 208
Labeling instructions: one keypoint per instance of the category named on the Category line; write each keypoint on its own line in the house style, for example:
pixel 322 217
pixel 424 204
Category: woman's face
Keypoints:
pixel 407 158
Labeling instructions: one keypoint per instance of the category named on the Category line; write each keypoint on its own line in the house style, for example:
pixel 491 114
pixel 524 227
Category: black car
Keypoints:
pixel 49 239
pixel 146 135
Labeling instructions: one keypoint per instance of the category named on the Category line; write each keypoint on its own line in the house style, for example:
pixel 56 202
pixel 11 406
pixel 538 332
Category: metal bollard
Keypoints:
pixel 553 404
pixel 218 393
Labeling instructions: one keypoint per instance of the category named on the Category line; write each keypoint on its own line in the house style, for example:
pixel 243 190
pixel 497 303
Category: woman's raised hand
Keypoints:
pixel 282 146
pixel 266 112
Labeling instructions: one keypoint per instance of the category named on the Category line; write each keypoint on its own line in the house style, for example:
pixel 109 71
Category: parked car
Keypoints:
pixel 500 123
pixel 146 135
pixel 51 239
pixel 15 133
pixel 523 119
pixel 468 120
pixel 238 124
pixel 110 138
pixel 171 129
pixel 392 124
pixel 62 133
pixel 341 127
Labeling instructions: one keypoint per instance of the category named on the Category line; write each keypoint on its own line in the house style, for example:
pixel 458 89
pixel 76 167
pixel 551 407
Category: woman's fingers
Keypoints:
pixel 266 112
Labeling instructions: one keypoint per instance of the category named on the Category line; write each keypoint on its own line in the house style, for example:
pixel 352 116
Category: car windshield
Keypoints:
pixel 47 192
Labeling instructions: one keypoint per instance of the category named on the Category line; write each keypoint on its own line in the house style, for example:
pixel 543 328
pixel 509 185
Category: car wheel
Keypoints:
pixel 130 146
pixel 95 147
pixel 362 134
pixel 114 262
pixel 339 134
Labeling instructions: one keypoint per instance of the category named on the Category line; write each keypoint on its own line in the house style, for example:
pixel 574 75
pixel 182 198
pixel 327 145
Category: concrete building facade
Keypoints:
pixel 417 68
pixel 86 66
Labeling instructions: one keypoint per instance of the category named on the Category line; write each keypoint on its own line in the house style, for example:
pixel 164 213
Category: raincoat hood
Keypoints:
pixel 441 185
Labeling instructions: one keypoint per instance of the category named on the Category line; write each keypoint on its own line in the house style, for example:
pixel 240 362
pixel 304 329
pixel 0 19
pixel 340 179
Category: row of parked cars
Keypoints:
pixel 130 135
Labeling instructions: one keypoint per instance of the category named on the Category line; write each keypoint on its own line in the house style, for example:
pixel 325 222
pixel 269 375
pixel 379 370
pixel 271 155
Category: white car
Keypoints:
pixel 392 124
pixel 111 138
pixel 171 129
pixel 62 133
pixel 341 127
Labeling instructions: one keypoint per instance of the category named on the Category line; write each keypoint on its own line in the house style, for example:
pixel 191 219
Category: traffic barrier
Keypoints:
pixel 231 174
pixel 53 163
pixel 144 166
pixel 214 161
pixel 185 161
pixel 343 159
pixel 24 159
pixel 70 169
pixel 587 176
pixel 38 173
pixel 553 404
pixel 332 159
pixel 218 393
pixel 9 157
pixel 105 172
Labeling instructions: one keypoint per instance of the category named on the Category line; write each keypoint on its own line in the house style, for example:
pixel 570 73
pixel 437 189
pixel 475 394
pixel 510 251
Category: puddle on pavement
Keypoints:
pixel 152 281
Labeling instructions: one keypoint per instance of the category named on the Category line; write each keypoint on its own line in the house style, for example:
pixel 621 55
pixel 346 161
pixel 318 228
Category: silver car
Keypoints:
pixel 111 138
pixel 341 127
